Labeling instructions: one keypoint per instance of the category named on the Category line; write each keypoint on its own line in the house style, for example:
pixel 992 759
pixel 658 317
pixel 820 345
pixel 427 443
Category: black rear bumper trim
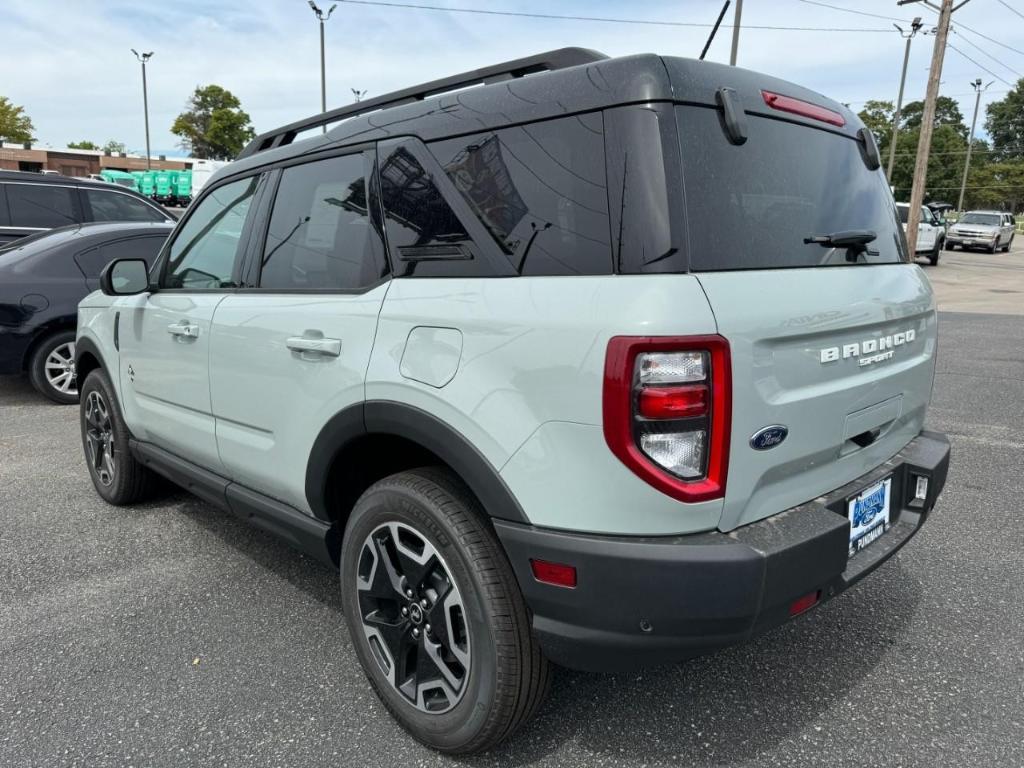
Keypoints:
pixel 649 600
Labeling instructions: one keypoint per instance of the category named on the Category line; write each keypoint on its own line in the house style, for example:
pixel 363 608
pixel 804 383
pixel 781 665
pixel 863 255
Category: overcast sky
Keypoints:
pixel 68 62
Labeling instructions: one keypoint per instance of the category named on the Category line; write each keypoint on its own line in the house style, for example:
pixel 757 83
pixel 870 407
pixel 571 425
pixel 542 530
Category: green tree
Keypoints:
pixel 83 145
pixel 947 112
pixel 945 163
pixel 996 185
pixel 1004 122
pixel 877 116
pixel 213 125
pixel 15 125
pixel 114 146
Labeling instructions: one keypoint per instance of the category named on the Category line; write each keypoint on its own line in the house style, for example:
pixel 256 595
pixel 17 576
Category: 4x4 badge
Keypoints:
pixel 768 437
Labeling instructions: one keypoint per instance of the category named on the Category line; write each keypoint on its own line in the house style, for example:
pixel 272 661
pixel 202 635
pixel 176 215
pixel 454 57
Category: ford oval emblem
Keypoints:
pixel 768 437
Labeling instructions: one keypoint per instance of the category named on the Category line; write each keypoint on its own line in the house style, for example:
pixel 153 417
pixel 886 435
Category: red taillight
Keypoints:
pixel 667 411
pixel 681 402
pixel 557 574
pixel 802 108
pixel 804 603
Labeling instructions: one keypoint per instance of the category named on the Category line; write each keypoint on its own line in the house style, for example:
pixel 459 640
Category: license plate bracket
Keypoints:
pixel 869 514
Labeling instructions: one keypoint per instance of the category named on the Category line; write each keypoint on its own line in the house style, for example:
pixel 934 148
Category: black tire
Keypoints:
pixel 1006 248
pixel 994 247
pixel 506 676
pixel 933 257
pixel 121 480
pixel 950 247
pixel 51 368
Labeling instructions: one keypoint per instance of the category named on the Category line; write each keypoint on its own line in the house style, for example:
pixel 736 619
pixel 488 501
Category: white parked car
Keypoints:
pixel 931 235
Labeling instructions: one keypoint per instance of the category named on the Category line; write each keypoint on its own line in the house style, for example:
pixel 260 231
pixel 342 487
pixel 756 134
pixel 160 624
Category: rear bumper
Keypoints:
pixel 644 601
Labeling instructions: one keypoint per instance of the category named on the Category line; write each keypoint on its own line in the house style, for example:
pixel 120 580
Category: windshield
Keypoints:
pixel 988 219
pixel 752 206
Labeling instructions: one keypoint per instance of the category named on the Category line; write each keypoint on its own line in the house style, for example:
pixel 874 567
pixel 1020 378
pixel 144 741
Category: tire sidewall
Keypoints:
pixel 37 368
pixel 458 726
pixel 117 490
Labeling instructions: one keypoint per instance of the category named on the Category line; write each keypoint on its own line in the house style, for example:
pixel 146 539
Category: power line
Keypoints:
pixel 981 66
pixel 851 10
pixel 603 19
pixel 982 35
pixel 1011 8
pixel 997 61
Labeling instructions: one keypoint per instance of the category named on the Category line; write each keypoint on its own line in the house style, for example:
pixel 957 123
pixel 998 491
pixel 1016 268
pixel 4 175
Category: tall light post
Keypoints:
pixel 970 142
pixel 322 17
pixel 914 27
pixel 736 32
pixel 143 58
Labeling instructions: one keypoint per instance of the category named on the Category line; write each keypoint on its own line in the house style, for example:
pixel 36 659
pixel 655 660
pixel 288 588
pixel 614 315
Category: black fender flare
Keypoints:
pixel 387 417
pixel 84 346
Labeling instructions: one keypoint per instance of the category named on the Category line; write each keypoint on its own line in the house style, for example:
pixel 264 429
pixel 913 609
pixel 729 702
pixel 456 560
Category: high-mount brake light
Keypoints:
pixel 667 411
pixel 802 108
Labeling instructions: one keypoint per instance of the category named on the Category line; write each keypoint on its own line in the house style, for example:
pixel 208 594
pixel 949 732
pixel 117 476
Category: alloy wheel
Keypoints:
pixel 413 617
pixel 60 369
pixel 99 437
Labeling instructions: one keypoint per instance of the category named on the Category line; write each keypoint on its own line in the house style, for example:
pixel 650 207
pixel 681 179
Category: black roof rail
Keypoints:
pixel 542 62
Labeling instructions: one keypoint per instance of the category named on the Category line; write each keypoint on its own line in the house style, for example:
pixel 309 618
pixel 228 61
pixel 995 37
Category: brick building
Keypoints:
pixel 80 162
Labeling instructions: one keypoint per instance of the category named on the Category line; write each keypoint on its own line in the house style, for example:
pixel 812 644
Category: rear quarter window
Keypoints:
pixel 42 205
pixel 750 206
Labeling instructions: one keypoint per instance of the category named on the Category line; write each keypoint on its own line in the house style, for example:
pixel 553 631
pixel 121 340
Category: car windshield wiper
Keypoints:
pixel 850 238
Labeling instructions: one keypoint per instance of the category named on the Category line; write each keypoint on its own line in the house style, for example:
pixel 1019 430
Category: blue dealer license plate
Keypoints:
pixel 869 515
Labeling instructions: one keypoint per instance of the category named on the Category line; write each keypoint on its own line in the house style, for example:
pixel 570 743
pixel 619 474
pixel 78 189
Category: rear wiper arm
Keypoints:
pixel 851 238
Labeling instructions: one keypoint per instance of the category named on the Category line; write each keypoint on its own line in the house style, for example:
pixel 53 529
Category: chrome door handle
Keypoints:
pixel 320 346
pixel 183 329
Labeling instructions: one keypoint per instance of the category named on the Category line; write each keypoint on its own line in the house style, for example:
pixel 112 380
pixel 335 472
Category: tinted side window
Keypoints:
pixel 426 236
pixel 320 235
pixel 93 261
pixel 206 246
pixel 41 205
pixel 112 206
pixel 540 191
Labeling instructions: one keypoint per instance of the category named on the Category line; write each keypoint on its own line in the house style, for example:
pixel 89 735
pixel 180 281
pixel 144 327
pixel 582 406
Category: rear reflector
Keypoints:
pixel 674 402
pixel 557 574
pixel 804 603
pixel 802 108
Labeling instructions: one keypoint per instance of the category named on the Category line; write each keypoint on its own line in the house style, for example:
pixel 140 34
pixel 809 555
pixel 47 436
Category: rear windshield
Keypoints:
pixel 751 206
pixel 990 219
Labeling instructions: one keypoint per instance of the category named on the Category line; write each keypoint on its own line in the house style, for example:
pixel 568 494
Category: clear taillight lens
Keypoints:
pixel 671 367
pixel 681 453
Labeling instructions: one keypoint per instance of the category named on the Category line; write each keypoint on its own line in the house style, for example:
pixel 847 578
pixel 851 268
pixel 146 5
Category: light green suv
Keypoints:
pixel 613 364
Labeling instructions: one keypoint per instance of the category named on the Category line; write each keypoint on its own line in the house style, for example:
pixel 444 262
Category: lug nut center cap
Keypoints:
pixel 415 613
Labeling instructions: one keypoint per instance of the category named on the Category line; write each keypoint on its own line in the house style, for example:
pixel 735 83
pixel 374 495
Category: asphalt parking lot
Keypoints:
pixel 172 634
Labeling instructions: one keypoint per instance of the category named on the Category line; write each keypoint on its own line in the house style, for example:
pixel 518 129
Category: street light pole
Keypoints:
pixel 322 17
pixel 736 32
pixel 914 27
pixel 970 142
pixel 143 58
pixel 924 144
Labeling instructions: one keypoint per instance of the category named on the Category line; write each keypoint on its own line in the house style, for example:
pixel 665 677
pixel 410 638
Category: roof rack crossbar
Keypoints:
pixel 543 62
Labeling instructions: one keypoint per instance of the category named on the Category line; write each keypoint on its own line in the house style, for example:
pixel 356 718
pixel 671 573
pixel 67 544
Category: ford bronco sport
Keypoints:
pixel 599 362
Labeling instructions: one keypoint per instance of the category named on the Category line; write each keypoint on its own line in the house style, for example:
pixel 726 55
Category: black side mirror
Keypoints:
pixel 125 277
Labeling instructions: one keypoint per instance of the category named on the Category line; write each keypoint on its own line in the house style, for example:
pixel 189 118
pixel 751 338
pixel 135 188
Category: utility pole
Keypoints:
pixel 143 58
pixel 914 27
pixel 736 32
pixel 322 17
pixel 970 142
pixel 924 144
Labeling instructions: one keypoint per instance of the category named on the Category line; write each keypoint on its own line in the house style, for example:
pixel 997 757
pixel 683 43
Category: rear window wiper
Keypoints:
pixel 855 241
pixel 848 239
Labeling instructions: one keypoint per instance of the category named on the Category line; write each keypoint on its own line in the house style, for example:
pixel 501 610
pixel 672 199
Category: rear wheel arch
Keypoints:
pixel 369 441
pixel 58 325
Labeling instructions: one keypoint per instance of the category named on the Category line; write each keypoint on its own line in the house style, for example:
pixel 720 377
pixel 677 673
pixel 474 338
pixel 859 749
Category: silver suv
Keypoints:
pixel 990 230
pixel 477 350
